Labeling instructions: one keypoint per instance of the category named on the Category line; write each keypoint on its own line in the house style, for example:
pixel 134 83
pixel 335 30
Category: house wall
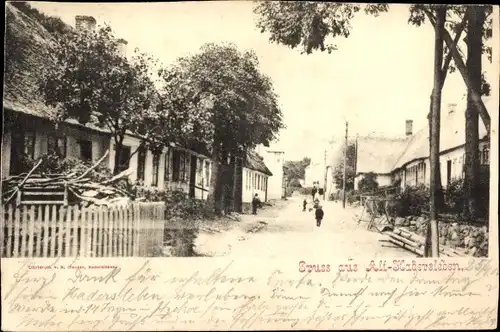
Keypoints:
pixel 42 130
pixel 412 173
pixel 254 182
pixel 314 173
pixel 330 185
pixel 274 161
pixel 6 148
pixel 202 179
pixel 382 180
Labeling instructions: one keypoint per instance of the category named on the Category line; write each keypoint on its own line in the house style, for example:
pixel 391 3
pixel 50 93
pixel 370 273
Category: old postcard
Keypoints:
pixel 249 165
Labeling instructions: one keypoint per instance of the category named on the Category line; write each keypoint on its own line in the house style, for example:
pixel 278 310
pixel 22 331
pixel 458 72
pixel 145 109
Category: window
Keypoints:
pixel 124 162
pixel 156 169
pixel 166 174
pixel 23 146
pixel 141 163
pixel 485 156
pixel 184 166
pixel 199 171
pixel 29 144
pixel 207 173
pixel 85 150
pixel 56 145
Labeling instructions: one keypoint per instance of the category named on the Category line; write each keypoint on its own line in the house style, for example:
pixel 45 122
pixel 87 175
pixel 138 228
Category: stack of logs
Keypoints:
pixel 415 243
pixel 81 186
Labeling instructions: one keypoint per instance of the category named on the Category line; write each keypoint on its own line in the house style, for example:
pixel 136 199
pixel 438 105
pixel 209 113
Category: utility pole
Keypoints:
pixel 326 179
pixel 356 156
pixel 345 167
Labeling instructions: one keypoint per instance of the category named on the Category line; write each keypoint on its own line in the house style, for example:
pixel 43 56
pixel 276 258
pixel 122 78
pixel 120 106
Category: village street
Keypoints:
pixel 289 232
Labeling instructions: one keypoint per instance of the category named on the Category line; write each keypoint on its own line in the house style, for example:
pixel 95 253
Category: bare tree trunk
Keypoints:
pixel 476 17
pixel 118 154
pixel 215 191
pixel 435 127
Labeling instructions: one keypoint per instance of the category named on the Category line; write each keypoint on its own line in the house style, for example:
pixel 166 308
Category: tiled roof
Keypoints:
pixel 255 162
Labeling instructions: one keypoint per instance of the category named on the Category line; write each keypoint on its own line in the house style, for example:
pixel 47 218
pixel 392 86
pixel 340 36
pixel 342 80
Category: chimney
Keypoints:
pixel 122 47
pixel 409 127
pixel 451 108
pixel 86 23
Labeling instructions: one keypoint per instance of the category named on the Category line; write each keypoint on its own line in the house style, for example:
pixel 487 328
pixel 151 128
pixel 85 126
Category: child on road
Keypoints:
pixel 304 205
pixel 319 215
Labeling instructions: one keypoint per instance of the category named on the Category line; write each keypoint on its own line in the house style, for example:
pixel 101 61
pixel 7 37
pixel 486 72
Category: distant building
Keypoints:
pixel 256 177
pixel 274 160
pixel 314 174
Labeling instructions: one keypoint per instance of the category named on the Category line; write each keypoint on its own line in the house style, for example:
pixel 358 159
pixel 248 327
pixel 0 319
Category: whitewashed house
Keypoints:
pixel 255 178
pixel 274 160
pixel 30 130
pixel 407 159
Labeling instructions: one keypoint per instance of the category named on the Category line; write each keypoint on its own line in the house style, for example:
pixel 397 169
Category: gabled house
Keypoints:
pixel 377 155
pixel 406 160
pixel 255 178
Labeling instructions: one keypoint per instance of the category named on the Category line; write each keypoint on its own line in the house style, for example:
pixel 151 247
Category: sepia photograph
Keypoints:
pixel 243 131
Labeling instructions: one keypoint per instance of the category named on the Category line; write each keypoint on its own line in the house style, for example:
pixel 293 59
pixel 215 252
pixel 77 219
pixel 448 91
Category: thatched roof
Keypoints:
pixel 452 136
pixel 378 154
pixel 255 162
pixel 28 51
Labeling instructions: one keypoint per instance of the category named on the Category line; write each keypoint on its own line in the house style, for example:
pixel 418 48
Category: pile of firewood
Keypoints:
pixel 415 243
pixel 81 186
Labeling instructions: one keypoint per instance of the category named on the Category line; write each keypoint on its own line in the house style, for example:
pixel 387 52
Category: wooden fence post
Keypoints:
pixel 46 227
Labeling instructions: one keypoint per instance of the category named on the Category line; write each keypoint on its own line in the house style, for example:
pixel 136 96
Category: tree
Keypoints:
pixel 308 24
pixel 219 99
pixel 338 168
pixel 296 169
pixel 92 82
pixel 476 21
pixel 368 183
pixel 476 18
pixel 435 178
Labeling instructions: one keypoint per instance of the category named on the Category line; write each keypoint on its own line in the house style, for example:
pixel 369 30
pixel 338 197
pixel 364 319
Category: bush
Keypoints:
pixel 352 196
pixel 368 183
pixel 454 197
pixel 305 190
pixel 179 206
pixel 148 194
pixel 414 201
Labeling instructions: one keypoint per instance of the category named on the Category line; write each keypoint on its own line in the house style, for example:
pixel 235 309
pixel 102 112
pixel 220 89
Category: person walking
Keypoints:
pixel 304 204
pixel 314 191
pixel 255 203
pixel 319 215
pixel 321 191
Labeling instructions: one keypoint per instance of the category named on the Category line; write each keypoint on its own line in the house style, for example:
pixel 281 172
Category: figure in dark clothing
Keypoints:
pixel 255 203
pixel 321 192
pixel 319 215
pixel 304 205
pixel 314 191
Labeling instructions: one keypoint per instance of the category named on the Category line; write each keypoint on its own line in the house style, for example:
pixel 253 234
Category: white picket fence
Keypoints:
pixel 67 231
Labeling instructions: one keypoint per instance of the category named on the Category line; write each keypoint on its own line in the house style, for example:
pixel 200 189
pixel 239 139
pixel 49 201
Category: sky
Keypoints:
pixel 380 76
